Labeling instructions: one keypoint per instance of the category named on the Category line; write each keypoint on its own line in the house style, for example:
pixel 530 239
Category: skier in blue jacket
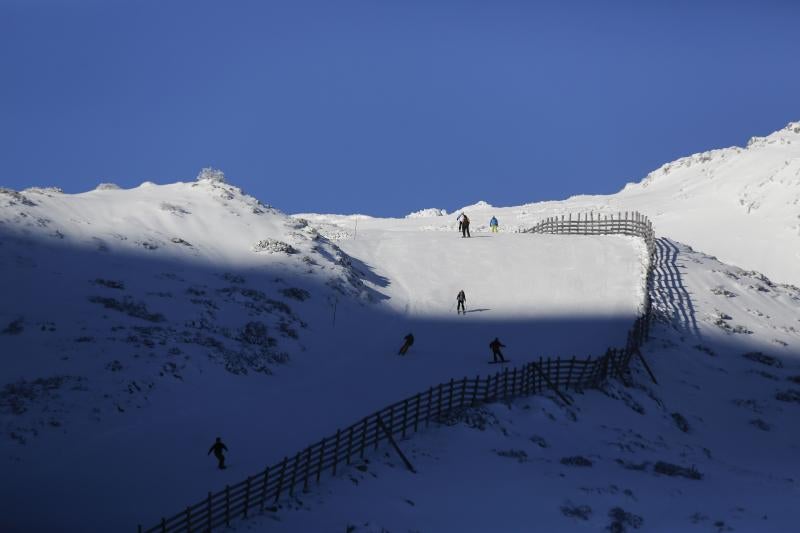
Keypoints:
pixel 493 224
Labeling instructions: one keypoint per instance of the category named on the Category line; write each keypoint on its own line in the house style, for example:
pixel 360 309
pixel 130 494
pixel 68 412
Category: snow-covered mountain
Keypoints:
pixel 740 204
pixel 137 325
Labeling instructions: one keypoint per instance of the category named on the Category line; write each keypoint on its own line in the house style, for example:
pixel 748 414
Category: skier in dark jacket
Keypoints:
pixel 464 225
pixel 461 299
pixel 218 447
pixel 409 340
pixel 495 345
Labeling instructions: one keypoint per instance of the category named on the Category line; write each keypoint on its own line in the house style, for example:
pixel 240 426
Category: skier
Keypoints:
pixel 464 225
pixel 218 448
pixel 493 224
pixel 409 340
pixel 461 298
pixel 495 345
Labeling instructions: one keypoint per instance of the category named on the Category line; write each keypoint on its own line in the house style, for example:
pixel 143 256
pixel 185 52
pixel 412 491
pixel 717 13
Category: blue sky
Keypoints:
pixel 384 107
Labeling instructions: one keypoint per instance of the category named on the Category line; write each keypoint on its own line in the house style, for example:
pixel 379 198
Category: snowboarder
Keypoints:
pixel 409 340
pixel 218 447
pixel 493 224
pixel 464 225
pixel 461 298
pixel 495 345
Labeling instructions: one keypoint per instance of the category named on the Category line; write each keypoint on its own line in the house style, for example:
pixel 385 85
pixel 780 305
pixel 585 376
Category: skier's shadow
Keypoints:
pixel 477 310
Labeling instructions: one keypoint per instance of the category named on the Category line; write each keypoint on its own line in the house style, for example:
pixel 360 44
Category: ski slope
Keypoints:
pixel 711 447
pixel 146 322
pixel 137 325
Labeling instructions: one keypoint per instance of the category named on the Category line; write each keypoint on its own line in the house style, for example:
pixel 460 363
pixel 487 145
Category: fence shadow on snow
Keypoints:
pixel 670 294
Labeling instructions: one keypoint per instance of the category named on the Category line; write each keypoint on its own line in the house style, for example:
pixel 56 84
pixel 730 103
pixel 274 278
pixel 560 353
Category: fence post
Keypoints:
pixel 430 407
pixel 294 473
pixel 189 519
pixel 475 390
pixel 208 510
pixel 416 413
pixel 405 416
pixel 514 383
pixel 439 408
pixel 247 496
pixel 350 443
pixel 307 468
pixel 363 438
pixel 377 430
pixel 227 505
pixel 280 479
pixel 336 452
pixel 450 398
pixel 558 371
pixel 321 457
pixel 263 491
pixel 523 378
pixel 163 525
pixel 463 392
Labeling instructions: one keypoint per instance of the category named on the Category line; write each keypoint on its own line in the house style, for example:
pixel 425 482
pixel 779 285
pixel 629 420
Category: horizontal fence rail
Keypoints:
pixel 437 404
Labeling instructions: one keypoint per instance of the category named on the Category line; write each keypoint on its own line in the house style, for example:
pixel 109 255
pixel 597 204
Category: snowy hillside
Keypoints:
pixel 138 325
pixel 739 204
pixel 711 447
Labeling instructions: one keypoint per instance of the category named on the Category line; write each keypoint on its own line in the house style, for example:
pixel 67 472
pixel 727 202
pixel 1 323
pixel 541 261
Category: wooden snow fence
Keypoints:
pixel 335 453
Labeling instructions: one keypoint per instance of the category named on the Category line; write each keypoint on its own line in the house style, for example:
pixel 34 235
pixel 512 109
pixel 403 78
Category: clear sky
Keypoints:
pixel 384 107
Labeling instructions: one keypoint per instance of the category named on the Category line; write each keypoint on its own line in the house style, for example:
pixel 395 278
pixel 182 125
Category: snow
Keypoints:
pixel 429 212
pixel 137 325
pixel 618 457
pixel 149 321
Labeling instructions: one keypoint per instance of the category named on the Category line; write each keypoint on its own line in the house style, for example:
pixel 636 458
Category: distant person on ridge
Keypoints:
pixel 495 345
pixel 464 225
pixel 461 298
pixel 409 340
pixel 218 447
pixel 493 224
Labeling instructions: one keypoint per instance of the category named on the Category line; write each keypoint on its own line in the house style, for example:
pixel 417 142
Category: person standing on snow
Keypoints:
pixel 461 298
pixel 409 340
pixel 493 224
pixel 218 447
pixel 495 345
pixel 464 225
